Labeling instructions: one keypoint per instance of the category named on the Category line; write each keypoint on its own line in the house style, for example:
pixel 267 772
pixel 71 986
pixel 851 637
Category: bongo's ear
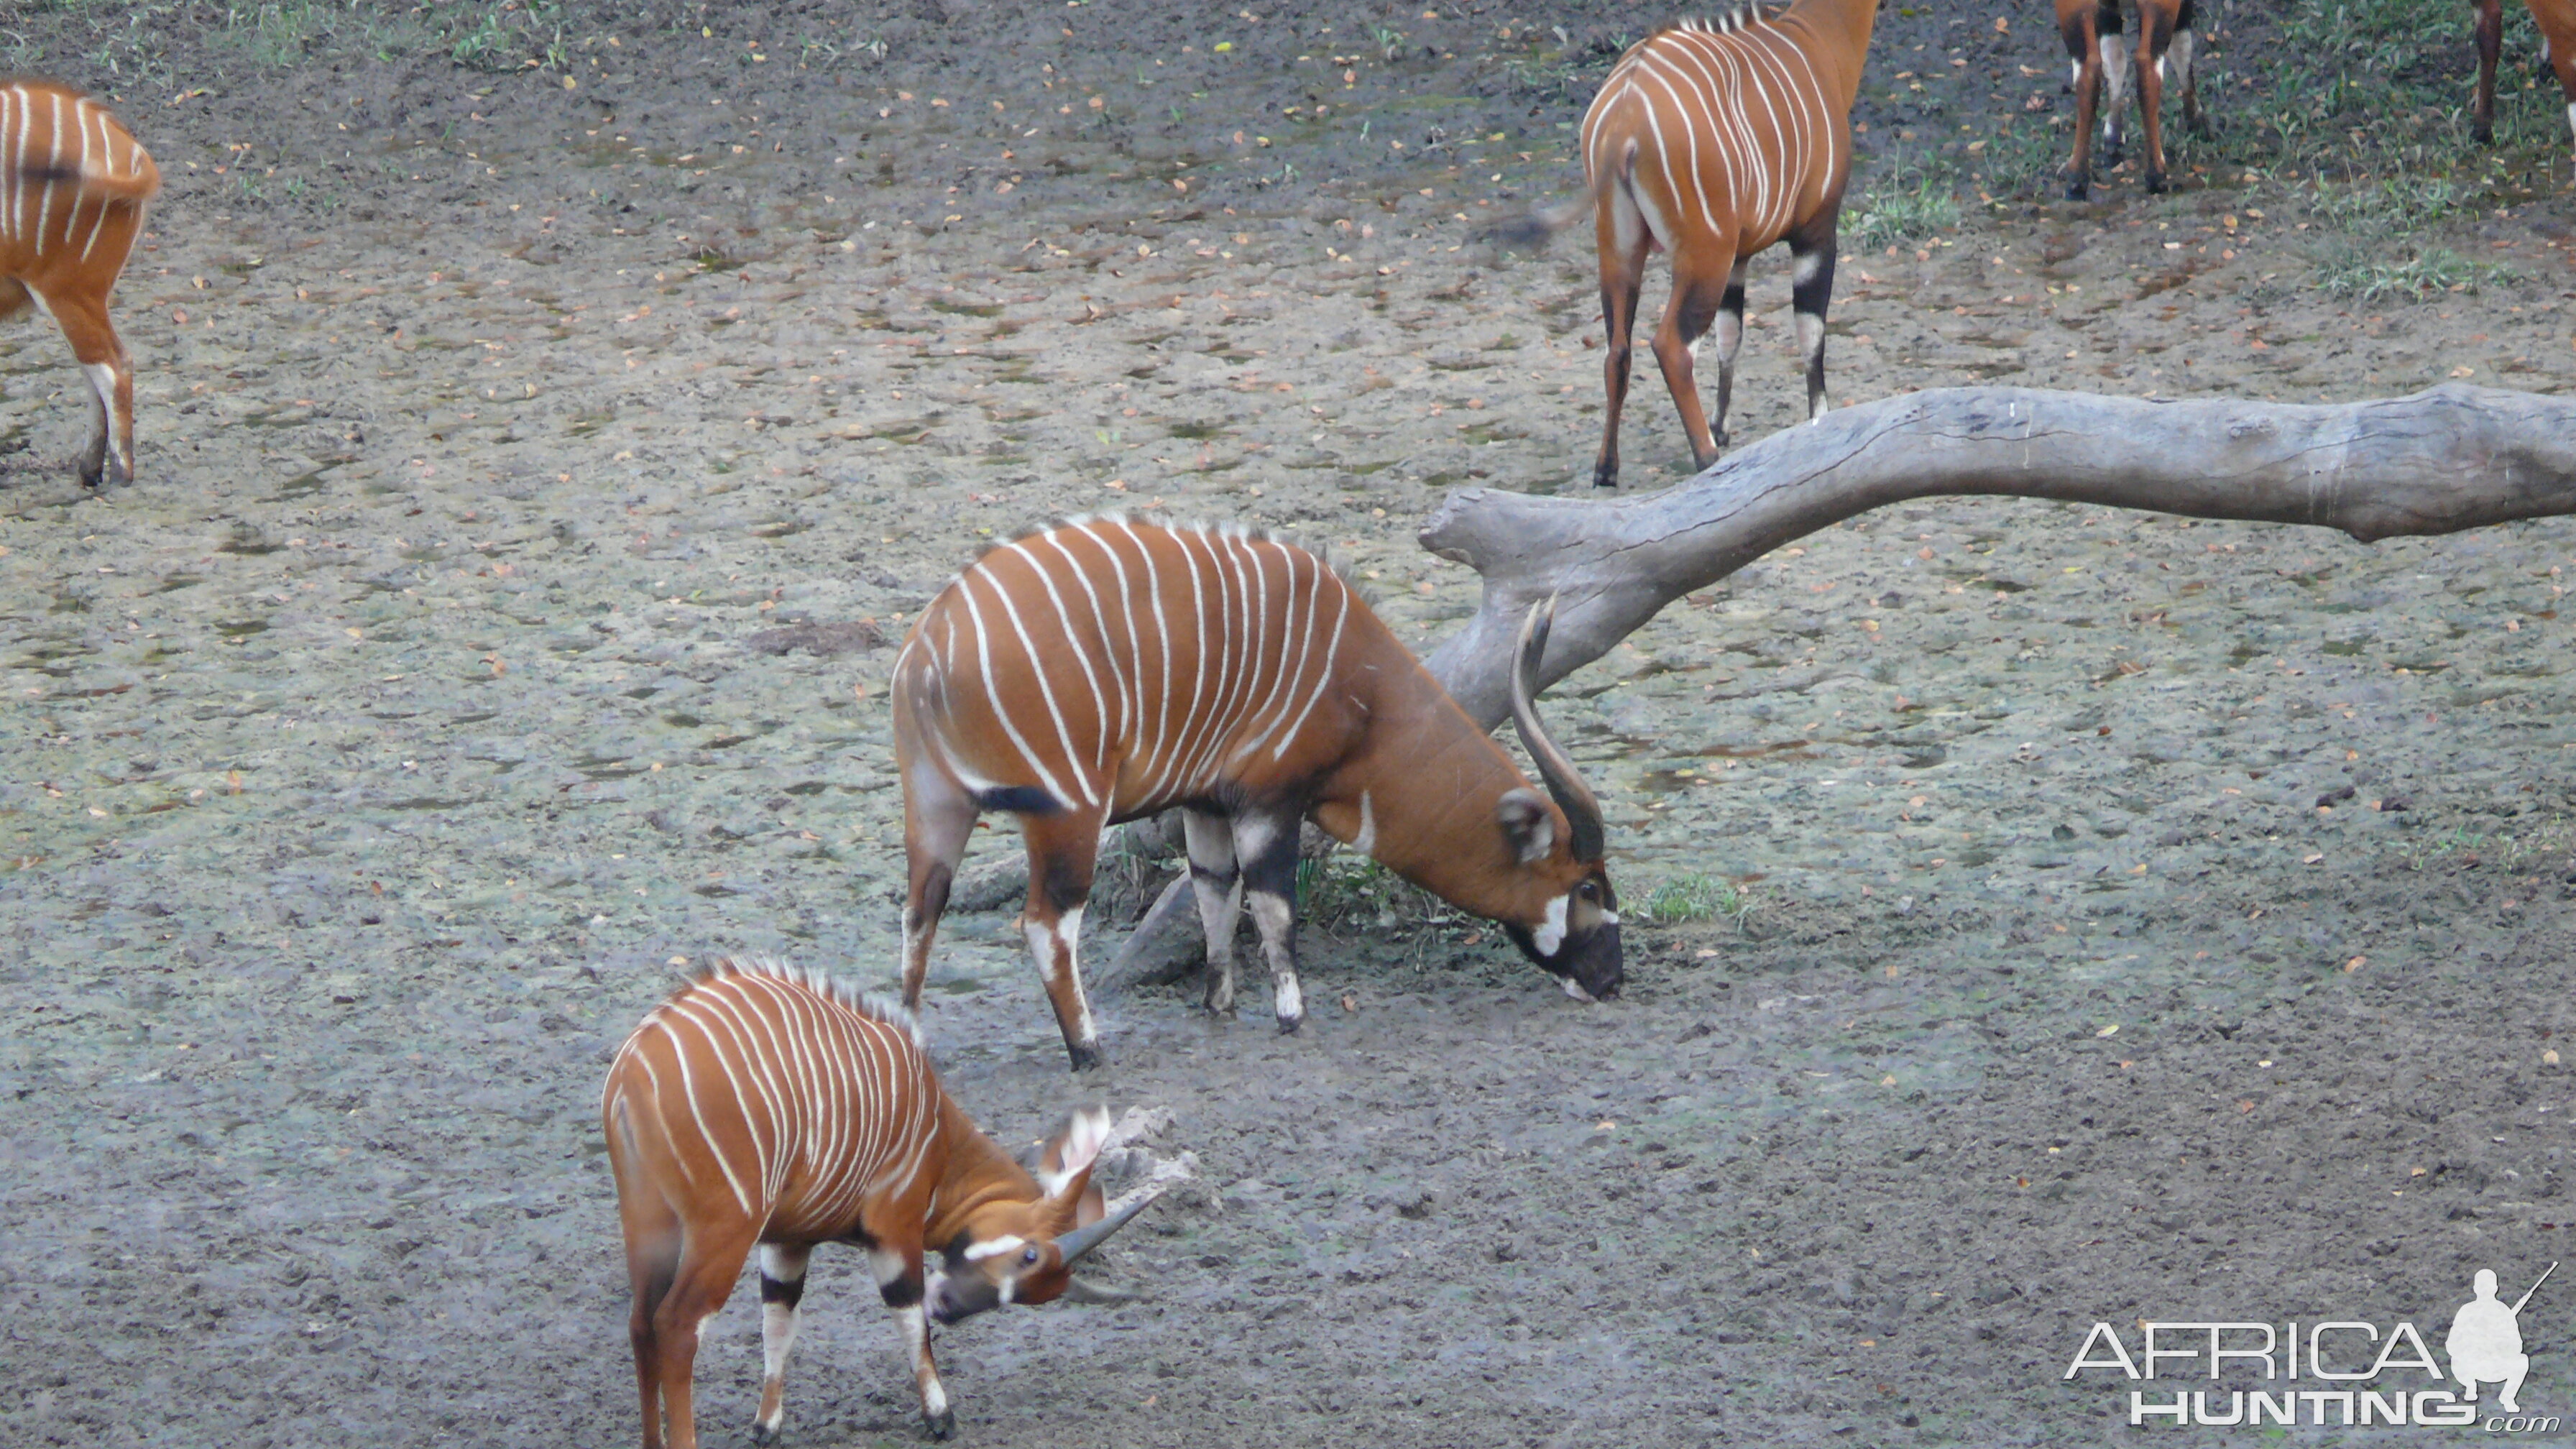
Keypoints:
pixel 1072 1152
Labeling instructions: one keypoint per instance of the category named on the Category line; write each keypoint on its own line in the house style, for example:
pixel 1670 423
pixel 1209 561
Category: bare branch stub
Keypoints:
pixel 2435 462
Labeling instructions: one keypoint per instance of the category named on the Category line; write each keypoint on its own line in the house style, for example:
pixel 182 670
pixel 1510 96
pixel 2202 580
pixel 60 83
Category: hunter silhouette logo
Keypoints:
pixel 2355 1373
pixel 2485 1342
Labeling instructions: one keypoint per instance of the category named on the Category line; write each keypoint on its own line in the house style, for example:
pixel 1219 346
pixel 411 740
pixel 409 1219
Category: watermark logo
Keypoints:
pixel 2364 1375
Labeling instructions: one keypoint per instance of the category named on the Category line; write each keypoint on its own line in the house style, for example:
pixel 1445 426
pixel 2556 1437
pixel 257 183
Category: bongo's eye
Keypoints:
pixel 1030 1257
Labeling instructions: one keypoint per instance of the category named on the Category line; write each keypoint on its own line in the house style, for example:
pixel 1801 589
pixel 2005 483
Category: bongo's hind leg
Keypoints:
pixel 709 1263
pixel 653 1238
pixel 2489 25
pixel 102 357
pixel 938 816
pixel 1701 279
pixel 1622 238
pixel 1064 850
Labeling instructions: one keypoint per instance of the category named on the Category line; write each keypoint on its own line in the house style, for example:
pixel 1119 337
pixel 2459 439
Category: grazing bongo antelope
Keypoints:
pixel 1105 669
pixel 764 1105
pixel 72 188
pixel 2557 20
pixel 2103 68
pixel 1712 140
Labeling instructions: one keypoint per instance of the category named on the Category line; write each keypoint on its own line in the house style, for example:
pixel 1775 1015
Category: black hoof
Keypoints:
pixel 2483 135
pixel 1084 1058
pixel 2155 183
pixel 941 1424
pixel 1220 1013
pixel 1288 1024
pixel 763 1434
pixel 2078 190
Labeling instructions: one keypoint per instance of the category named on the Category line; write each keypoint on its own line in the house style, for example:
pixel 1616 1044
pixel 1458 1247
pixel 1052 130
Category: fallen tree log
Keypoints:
pixel 2436 462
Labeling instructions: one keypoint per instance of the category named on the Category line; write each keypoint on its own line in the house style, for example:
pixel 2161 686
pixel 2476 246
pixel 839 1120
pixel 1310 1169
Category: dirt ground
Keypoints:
pixel 2147 919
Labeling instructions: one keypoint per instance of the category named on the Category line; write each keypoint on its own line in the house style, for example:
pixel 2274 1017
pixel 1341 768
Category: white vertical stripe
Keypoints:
pixel 1037 666
pixel 1065 632
pixel 993 694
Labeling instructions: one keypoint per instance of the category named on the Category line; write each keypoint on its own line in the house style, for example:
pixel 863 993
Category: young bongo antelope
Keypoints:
pixel 765 1106
pixel 1107 669
pixel 2557 20
pixel 1712 140
pixel 2101 61
pixel 73 184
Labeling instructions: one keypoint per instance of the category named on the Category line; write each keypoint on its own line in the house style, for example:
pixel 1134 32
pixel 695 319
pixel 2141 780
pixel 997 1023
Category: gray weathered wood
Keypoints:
pixel 2437 462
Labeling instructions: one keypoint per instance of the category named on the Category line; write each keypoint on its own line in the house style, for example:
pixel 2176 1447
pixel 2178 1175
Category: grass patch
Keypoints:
pixel 2540 842
pixel 1689 898
pixel 2026 158
pixel 2430 272
pixel 1342 894
pixel 1909 198
pixel 2370 88
pixel 2397 204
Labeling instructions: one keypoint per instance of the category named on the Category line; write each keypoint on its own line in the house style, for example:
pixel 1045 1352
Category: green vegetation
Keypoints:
pixel 1909 198
pixel 1344 895
pixel 2368 274
pixel 2546 842
pixel 1690 898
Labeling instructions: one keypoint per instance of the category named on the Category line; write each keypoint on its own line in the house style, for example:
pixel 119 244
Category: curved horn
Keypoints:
pixel 1091 1235
pixel 1582 812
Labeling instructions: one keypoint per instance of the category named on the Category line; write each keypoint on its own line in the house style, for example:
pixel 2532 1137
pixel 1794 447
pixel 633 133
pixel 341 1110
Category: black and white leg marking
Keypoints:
pixel 2177 63
pixel 899 1282
pixel 782 1287
pixel 2117 72
pixel 1812 292
pixel 1219 888
pixel 1266 849
pixel 1730 338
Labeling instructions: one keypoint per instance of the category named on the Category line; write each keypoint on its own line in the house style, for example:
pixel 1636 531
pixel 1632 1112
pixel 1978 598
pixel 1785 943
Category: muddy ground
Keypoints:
pixel 2146 920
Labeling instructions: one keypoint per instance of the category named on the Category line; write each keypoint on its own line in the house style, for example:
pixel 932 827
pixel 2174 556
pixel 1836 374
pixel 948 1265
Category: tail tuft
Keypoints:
pixel 1531 230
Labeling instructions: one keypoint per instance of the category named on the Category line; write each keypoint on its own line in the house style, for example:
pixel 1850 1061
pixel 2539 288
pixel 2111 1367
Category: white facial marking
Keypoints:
pixel 1575 991
pixel 978 1252
pixel 1551 932
pixel 1366 841
pixel 1609 918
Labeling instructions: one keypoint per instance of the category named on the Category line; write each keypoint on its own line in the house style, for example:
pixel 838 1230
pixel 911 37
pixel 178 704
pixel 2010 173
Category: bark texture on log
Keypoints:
pixel 2437 462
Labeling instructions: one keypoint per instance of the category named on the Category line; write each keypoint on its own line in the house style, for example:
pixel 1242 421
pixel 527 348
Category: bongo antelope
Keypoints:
pixel 73 184
pixel 1106 668
pixel 761 1105
pixel 1712 140
pixel 2557 20
pixel 2102 69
